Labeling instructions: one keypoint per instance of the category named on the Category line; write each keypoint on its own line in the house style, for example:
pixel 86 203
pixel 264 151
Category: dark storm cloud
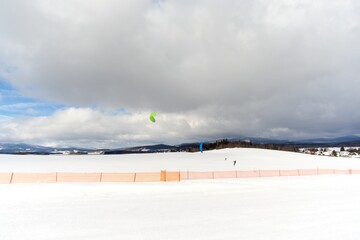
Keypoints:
pixel 273 68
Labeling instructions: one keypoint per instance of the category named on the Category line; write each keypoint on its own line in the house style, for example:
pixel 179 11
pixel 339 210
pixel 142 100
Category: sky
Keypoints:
pixel 88 73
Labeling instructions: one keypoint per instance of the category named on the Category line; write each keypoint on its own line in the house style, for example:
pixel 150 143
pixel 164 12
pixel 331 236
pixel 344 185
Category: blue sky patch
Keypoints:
pixel 13 104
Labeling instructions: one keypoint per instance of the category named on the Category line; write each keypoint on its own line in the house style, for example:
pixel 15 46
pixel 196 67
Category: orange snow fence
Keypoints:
pixel 118 177
pixel 306 172
pixel 164 175
pixel 326 171
pixel 200 175
pixel 354 171
pixel 147 177
pixel 246 174
pixel 184 175
pixel 347 171
pixel 5 177
pixel 34 178
pixel 78 177
pixel 225 174
pixel 287 173
pixel 269 173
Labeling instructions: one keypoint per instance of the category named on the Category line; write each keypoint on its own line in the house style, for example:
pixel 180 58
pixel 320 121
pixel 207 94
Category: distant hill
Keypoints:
pixel 334 140
pixel 314 142
pixel 266 143
pixel 153 148
pixel 20 148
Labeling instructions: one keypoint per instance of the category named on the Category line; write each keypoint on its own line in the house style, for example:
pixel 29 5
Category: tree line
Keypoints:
pixel 225 143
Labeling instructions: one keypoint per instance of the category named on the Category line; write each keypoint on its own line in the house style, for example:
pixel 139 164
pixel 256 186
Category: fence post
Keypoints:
pixel 163 176
pixel 100 177
pixel 236 173
pixel 56 177
pixel 298 172
pixel 11 178
pixel 213 175
pixel 350 171
pixel 134 177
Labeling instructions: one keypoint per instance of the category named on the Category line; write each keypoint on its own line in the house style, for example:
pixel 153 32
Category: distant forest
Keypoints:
pixel 225 143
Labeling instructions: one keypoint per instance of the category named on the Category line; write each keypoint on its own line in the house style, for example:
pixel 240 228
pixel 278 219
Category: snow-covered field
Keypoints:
pixel 247 159
pixel 309 207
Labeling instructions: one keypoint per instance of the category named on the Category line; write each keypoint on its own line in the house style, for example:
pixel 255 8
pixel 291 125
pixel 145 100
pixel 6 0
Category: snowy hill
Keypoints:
pixel 20 148
pixel 318 207
pixel 247 159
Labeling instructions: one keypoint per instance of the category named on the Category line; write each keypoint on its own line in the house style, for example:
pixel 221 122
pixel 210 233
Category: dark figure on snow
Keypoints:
pixel 234 162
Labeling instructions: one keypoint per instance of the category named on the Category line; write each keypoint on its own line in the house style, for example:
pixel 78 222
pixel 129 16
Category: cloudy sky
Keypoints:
pixel 89 72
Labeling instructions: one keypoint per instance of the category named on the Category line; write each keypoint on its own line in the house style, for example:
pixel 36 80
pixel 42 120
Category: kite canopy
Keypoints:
pixel 152 117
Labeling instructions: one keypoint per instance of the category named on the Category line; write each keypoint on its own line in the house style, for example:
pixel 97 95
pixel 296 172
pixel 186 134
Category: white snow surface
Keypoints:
pixel 307 207
pixel 247 159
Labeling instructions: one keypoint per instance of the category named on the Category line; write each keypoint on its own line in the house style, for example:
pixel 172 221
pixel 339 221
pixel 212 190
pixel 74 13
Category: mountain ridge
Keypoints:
pixel 23 148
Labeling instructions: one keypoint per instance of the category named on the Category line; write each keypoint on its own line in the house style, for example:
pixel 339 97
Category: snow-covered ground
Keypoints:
pixel 309 207
pixel 247 159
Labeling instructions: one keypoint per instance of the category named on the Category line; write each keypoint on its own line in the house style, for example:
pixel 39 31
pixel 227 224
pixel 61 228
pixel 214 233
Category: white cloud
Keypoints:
pixel 93 128
pixel 212 68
